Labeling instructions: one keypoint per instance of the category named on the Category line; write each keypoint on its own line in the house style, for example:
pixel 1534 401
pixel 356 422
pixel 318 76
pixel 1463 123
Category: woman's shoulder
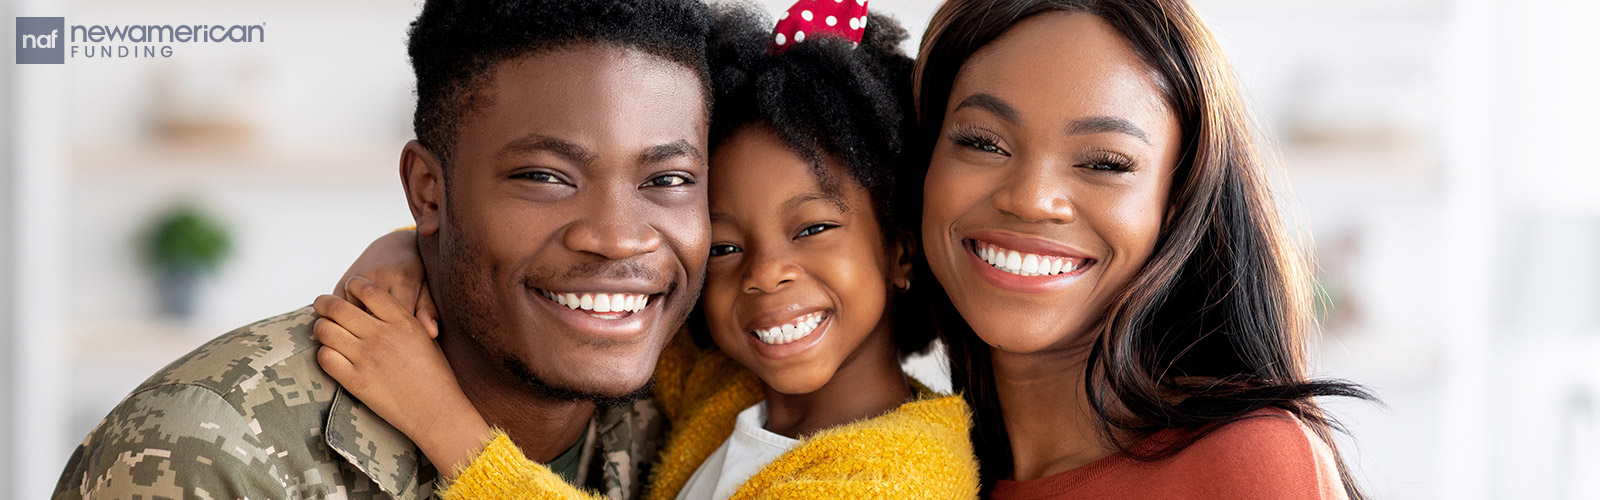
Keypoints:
pixel 1270 451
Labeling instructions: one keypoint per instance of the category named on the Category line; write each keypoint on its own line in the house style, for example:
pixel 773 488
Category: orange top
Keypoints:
pixel 1270 455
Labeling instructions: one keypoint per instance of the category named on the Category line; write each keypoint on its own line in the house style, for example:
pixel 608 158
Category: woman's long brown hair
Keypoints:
pixel 1215 326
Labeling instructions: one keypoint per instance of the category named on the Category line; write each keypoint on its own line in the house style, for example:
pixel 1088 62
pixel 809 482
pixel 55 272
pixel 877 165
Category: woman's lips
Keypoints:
pixel 1025 265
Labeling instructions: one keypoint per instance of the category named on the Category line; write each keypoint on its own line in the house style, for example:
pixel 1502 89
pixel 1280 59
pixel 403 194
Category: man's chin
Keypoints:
pixel 600 393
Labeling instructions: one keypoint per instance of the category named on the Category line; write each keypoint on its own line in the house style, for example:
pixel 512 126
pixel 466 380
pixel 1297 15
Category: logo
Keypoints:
pixel 48 40
pixel 41 40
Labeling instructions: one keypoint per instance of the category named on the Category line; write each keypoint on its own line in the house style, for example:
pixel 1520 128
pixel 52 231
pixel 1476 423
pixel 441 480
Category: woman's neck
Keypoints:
pixel 868 383
pixel 1051 426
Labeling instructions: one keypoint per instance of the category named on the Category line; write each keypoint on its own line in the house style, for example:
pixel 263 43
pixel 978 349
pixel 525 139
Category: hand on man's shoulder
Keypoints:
pixel 242 416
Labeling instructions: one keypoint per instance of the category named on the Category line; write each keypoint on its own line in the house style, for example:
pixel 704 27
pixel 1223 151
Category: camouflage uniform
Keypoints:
pixel 251 415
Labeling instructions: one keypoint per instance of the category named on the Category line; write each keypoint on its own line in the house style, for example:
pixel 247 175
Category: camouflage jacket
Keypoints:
pixel 251 415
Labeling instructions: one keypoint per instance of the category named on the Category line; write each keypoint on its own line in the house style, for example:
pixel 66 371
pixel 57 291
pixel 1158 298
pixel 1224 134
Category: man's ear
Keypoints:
pixel 905 254
pixel 423 178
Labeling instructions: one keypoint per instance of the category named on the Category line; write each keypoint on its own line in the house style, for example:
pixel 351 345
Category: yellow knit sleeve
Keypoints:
pixel 501 471
pixel 921 450
pixel 688 375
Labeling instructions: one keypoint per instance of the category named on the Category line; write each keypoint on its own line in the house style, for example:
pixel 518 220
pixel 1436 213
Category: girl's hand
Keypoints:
pixel 389 361
pixel 393 262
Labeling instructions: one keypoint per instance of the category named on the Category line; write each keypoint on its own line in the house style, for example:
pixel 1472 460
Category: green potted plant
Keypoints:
pixel 184 244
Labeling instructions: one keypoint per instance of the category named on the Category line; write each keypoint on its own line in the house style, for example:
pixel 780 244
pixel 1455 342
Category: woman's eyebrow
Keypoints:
pixel 991 103
pixel 1106 124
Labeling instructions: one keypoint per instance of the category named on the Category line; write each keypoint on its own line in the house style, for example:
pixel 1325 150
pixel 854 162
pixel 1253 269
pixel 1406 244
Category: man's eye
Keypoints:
pixel 814 229
pixel 538 176
pixel 670 180
pixel 723 249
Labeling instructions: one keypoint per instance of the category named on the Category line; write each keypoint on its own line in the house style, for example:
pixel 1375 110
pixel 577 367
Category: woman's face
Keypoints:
pixel 1049 181
pixel 799 276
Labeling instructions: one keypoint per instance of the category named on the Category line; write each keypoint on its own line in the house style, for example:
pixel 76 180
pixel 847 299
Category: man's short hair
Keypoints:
pixel 455 44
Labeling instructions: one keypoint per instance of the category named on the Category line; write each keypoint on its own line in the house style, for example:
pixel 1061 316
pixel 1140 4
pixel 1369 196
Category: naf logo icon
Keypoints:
pixel 40 40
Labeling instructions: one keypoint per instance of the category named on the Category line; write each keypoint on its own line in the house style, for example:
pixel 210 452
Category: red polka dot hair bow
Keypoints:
pixel 846 19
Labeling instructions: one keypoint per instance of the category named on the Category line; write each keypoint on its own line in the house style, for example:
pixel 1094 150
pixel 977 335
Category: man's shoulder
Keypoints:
pixel 241 416
pixel 271 350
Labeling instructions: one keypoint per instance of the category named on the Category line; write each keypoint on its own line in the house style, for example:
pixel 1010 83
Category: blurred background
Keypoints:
pixel 1437 154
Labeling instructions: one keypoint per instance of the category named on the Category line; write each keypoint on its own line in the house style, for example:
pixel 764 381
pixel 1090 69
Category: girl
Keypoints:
pixel 1124 310
pixel 807 299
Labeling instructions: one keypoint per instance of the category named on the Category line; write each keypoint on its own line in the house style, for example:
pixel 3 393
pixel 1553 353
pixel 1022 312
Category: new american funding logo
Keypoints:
pixel 48 40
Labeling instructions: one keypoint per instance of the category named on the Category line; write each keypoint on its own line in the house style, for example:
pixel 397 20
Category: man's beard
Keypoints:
pixel 465 306
pixel 552 392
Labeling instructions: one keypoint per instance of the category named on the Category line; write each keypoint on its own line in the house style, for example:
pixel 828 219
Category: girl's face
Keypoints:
pixel 1049 181
pixel 800 276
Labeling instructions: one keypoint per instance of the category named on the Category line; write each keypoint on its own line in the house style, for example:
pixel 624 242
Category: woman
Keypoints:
pixel 1124 311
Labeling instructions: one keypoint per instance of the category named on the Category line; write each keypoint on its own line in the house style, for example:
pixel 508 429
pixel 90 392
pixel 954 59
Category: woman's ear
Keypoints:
pixel 904 257
pixel 422 175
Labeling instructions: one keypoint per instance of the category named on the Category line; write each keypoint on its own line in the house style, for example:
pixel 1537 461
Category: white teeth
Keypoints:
pixel 600 302
pixel 799 329
pixel 1025 264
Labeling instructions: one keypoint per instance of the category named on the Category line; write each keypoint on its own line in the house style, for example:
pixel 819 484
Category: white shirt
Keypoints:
pixel 750 448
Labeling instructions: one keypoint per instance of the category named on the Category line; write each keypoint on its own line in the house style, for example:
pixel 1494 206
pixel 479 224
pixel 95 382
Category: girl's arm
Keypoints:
pixel 391 363
pixel 388 359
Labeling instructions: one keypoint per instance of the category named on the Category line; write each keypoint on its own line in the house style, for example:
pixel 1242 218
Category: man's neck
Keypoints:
pixel 541 427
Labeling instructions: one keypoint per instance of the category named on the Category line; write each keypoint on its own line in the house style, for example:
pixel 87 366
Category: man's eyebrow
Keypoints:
pixel 668 151
pixel 1106 124
pixel 992 104
pixel 536 143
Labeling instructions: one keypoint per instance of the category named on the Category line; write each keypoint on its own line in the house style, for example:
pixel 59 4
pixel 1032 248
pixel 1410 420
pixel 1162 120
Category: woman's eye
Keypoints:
pixel 814 229
pixel 988 148
pixel 977 141
pixel 670 180
pixel 1108 162
pixel 723 249
pixel 539 176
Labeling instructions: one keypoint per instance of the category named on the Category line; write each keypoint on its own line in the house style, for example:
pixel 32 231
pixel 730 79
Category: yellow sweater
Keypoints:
pixel 919 450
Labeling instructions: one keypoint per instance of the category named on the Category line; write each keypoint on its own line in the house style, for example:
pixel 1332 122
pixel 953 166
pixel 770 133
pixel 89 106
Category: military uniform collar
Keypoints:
pixel 377 449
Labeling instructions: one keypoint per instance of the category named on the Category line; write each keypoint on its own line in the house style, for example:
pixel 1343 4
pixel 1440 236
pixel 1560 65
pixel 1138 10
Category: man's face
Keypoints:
pixel 574 232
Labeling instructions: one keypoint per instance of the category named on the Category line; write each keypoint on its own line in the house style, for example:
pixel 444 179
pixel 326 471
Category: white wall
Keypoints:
pixel 34 376
pixel 7 197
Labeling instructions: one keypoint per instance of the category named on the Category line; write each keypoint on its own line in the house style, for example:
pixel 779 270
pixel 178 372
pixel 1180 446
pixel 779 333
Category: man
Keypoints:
pixel 560 150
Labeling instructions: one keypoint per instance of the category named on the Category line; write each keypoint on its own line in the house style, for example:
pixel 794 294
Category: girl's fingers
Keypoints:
pixel 382 305
pixel 335 363
pixel 428 313
pixel 336 337
pixel 347 315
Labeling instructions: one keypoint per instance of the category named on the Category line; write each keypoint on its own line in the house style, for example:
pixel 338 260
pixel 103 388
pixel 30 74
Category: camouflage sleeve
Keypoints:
pixel 146 449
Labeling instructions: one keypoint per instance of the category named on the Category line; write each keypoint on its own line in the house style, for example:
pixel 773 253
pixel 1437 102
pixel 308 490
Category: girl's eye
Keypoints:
pixel 539 176
pixel 814 229
pixel 721 249
pixel 670 180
